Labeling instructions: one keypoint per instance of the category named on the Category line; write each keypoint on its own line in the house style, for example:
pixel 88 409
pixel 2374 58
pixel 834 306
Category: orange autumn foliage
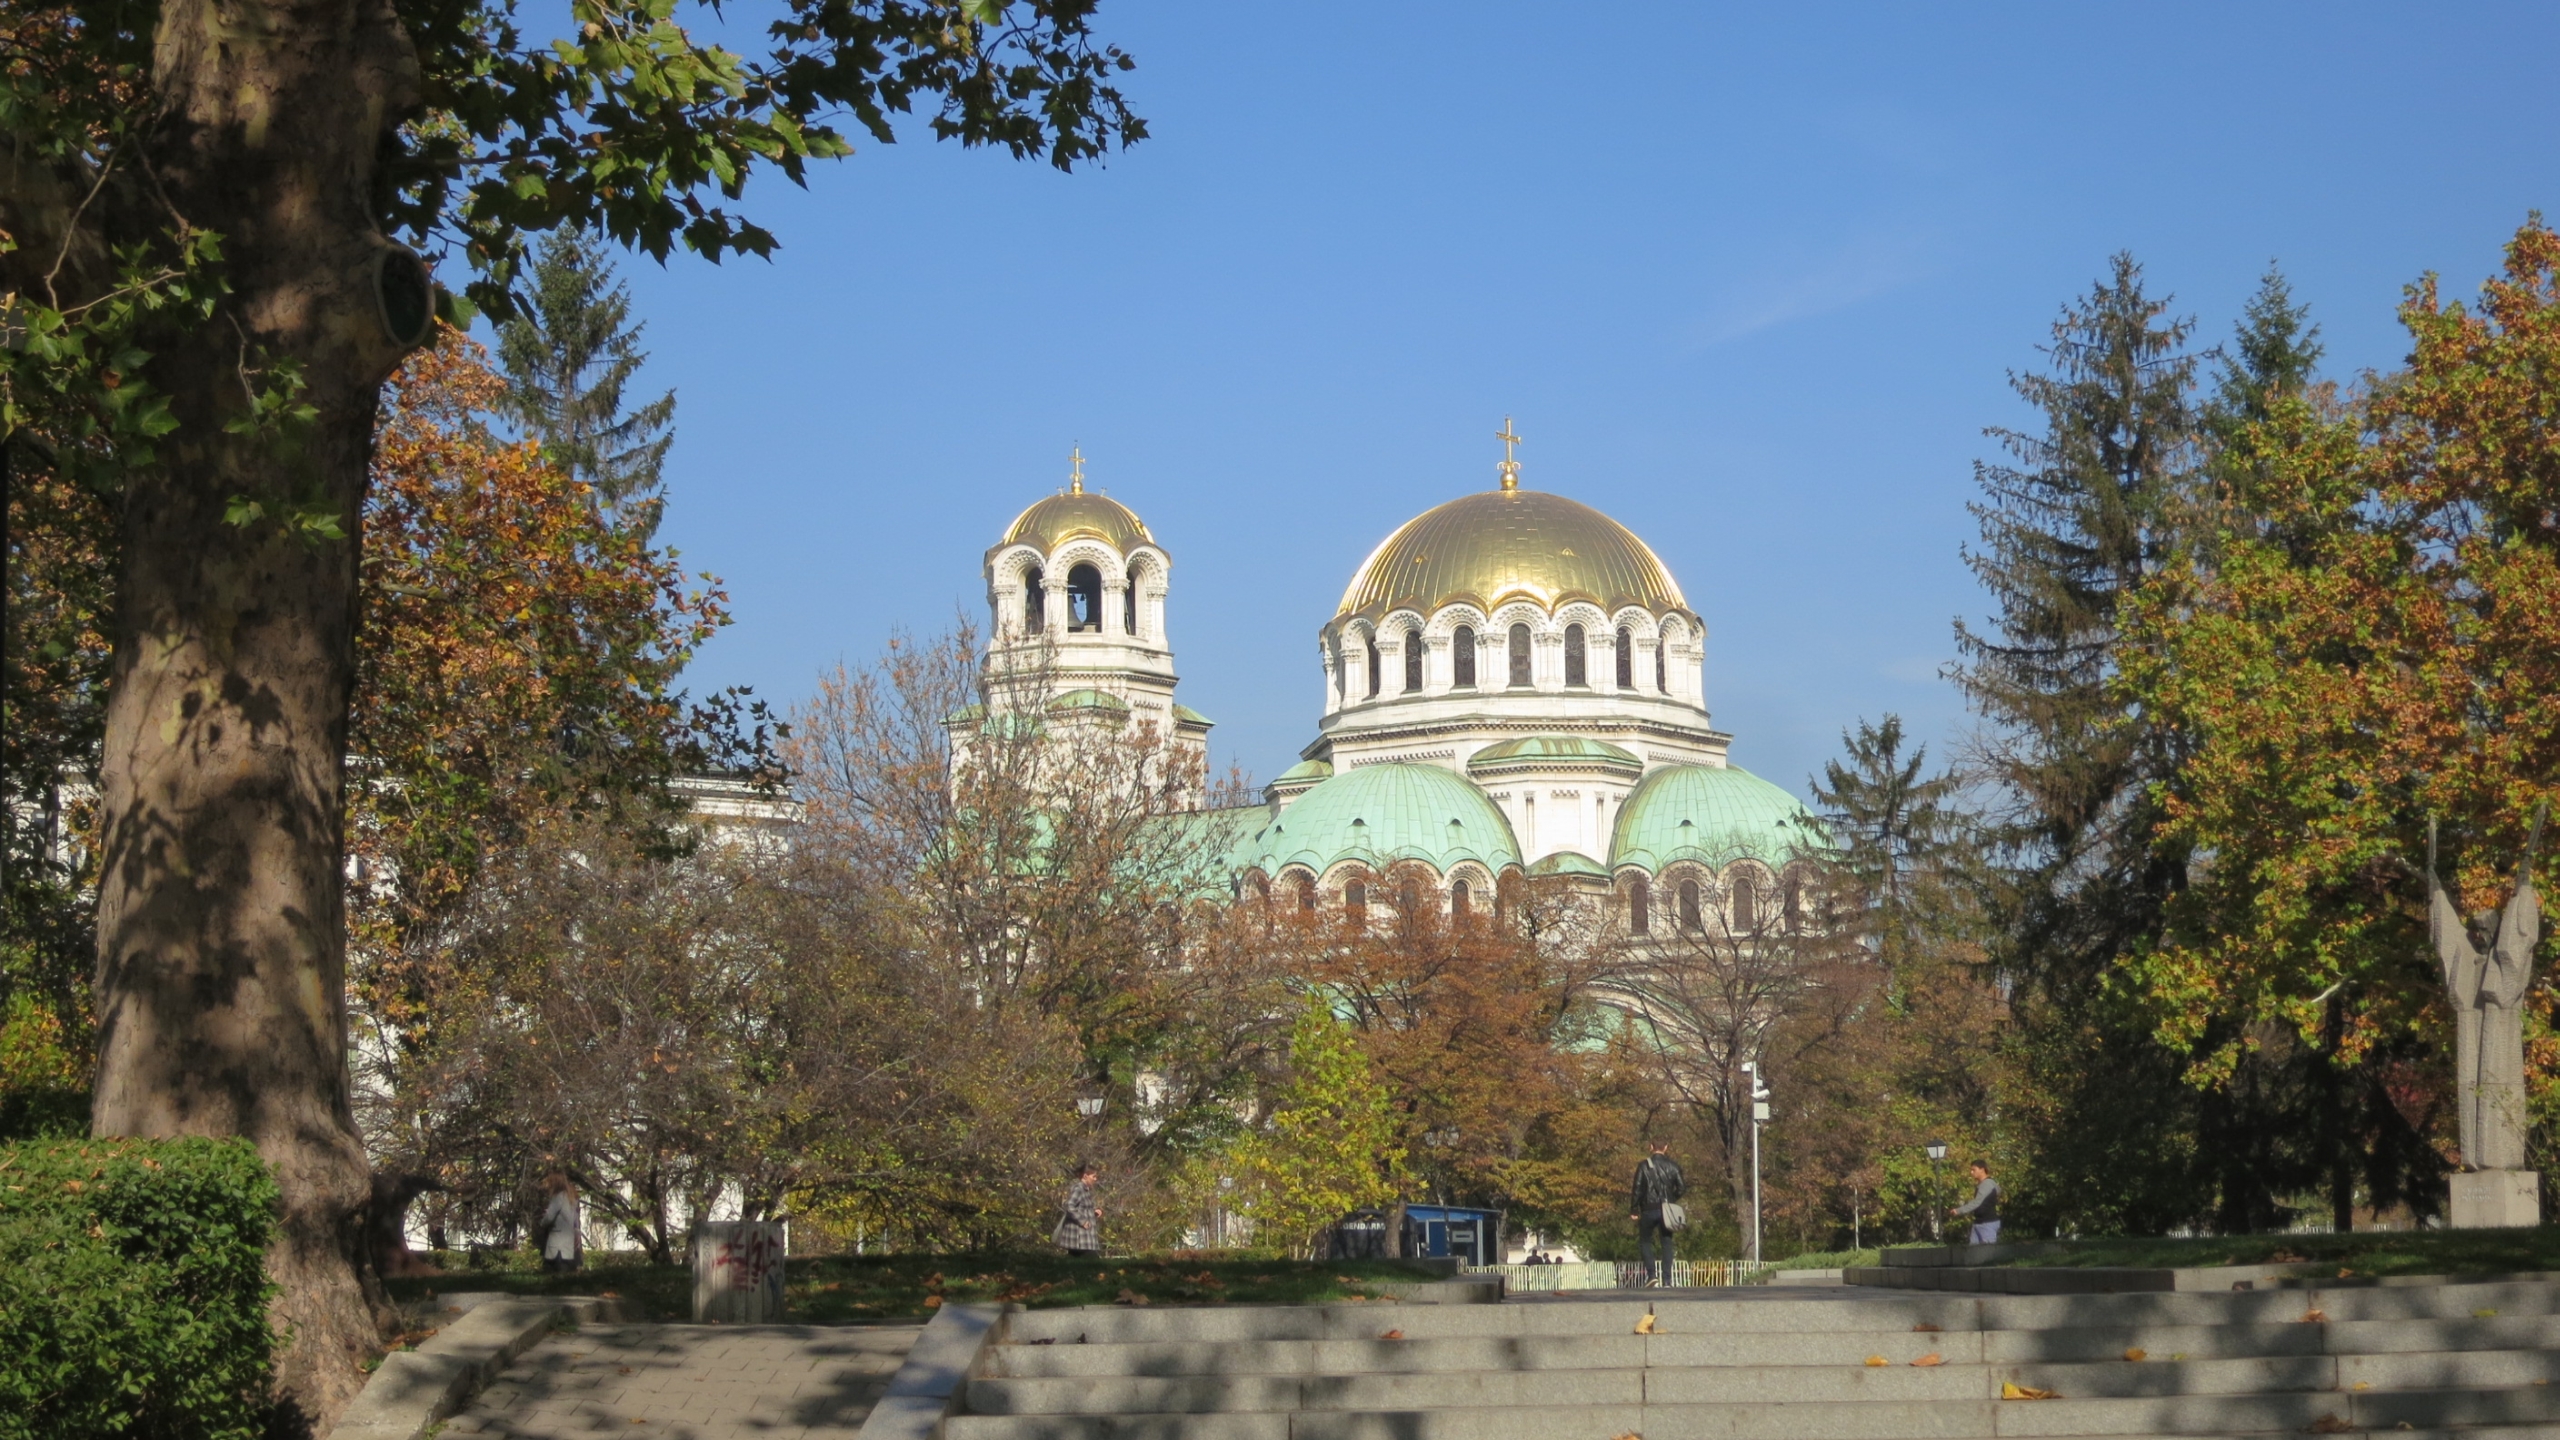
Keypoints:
pixel 2373 641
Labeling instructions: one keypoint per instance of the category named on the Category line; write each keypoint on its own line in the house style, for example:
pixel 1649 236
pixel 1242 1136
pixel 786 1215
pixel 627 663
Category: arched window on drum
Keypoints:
pixel 1084 598
pixel 1413 660
pixel 1575 665
pixel 1462 658
pixel 1519 656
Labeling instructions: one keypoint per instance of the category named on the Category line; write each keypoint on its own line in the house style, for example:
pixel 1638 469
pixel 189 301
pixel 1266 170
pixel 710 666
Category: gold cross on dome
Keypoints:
pixel 1076 480
pixel 1510 467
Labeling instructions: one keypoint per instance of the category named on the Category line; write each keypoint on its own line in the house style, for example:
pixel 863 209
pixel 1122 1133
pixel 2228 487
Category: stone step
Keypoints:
pixel 1813 1313
pixel 1739 1348
pixel 2456 1410
pixel 1895 1384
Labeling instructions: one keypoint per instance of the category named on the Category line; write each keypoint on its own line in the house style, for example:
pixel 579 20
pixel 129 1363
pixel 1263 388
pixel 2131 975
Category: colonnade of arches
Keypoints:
pixel 1518 647
pixel 1084 588
pixel 1688 898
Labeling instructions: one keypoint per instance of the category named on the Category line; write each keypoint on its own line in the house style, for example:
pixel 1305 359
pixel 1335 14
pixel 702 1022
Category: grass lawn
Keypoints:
pixel 843 1289
pixel 2370 1252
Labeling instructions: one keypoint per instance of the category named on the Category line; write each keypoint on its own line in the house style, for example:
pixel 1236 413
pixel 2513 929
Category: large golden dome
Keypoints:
pixel 1498 545
pixel 1071 513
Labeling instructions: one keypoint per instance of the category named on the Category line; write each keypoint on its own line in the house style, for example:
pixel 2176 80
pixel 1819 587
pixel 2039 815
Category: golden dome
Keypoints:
pixel 1498 545
pixel 1071 513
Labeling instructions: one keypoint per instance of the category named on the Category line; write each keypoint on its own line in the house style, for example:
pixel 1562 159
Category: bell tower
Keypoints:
pixel 1076 598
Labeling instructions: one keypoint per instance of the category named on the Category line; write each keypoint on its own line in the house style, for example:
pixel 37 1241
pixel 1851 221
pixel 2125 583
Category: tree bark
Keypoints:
pixel 221 991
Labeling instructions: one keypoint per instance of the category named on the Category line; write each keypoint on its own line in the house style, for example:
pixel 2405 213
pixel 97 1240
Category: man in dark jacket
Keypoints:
pixel 1658 1183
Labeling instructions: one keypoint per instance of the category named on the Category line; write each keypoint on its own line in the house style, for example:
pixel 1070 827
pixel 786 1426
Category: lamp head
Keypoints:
pixel 1937 1149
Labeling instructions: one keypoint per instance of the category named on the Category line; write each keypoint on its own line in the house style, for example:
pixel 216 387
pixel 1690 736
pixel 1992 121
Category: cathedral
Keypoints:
pixel 1512 685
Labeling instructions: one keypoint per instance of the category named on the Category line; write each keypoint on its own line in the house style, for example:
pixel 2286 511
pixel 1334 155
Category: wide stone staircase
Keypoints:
pixel 1845 1364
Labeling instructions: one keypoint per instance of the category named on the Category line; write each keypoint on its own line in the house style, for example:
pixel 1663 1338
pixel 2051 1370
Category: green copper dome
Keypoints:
pixel 1711 814
pixel 1380 814
pixel 1556 752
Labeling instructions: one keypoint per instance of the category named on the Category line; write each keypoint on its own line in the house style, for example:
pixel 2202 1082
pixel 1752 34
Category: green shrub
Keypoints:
pixel 133 1289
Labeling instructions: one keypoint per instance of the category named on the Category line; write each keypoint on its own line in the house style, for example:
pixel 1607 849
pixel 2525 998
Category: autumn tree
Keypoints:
pixel 1328 1146
pixel 2376 646
pixel 199 202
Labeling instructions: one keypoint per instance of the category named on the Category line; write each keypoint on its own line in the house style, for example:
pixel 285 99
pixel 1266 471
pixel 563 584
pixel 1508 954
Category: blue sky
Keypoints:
pixel 1748 277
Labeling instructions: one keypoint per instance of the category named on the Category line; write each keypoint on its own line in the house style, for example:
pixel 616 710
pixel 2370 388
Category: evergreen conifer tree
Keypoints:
pixel 568 358
pixel 1896 830
pixel 2073 521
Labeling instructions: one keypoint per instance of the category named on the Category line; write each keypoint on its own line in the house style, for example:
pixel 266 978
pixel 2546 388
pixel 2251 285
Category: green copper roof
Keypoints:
pixel 1188 716
pixel 1712 814
pixel 1089 700
pixel 1569 750
pixel 1308 770
pixel 1379 814
pixel 1570 862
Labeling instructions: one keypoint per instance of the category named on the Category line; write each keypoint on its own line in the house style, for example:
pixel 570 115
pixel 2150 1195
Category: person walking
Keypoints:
pixel 560 1224
pixel 1984 1207
pixel 1079 1231
pixel 1658 1183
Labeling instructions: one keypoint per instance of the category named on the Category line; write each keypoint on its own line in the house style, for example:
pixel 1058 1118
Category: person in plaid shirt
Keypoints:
pixel 1080 1223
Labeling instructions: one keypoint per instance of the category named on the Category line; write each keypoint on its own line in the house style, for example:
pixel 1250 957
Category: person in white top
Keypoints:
pixel 560 1224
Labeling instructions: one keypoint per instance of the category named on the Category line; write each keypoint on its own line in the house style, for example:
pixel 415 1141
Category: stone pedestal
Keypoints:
pixel 2496 1199
pixel 737 1271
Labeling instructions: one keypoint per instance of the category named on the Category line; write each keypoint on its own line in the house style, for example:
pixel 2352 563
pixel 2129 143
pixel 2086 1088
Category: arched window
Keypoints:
pixel 1084 598
pixel 1306 894
pixel 1461 903
pixel 1743 908
pixel 1690 919
pixel 1412 660
pixel 1355 902
pixel 1035 601
pixel 1639 907
pixel 1661 676
pixel 1794 913
pixel 1129 608
pixel 1462 658
pixel 1573 666
pixel 1519 655
pixel 1409 899
pixel 1371 643
pixel 1626 658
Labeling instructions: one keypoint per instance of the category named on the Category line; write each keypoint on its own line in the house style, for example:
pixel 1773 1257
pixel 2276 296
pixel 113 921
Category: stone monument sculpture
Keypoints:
pixel 2488 966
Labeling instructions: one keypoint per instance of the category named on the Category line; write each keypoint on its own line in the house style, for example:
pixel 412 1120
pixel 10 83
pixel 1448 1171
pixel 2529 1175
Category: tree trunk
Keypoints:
pixel 221 991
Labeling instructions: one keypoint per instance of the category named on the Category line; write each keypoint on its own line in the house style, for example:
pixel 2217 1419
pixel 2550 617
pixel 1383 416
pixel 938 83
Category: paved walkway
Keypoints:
pixel 692 1382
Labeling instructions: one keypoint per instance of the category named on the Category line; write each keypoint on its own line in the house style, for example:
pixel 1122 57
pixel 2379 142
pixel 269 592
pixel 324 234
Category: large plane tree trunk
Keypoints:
pixel 221 945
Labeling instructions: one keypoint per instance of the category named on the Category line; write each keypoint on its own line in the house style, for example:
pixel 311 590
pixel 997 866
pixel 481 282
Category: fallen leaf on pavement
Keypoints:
pixel 1932 1358
pixel 2137 1353
pixel 1131 1297
pixel 2315 1317
pixel 2181 1355
pixel 2330 1425
pixel 2012 1390
pixel 2483 1314
pixel 2361 1385
pixel 1924 1328
pixel 1878 1360
pixel 1644 1325
pixel 1390 1334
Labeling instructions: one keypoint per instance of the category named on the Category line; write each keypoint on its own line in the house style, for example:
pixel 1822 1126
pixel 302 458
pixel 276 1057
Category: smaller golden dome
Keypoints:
pixel 1062 517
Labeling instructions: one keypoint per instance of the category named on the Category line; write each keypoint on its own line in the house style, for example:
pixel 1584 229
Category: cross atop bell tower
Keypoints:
pixel 1510 466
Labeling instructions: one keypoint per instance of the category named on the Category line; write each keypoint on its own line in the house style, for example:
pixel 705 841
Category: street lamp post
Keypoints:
pixel 1937 1189
pixel 1759 1117
pixel 1439 1137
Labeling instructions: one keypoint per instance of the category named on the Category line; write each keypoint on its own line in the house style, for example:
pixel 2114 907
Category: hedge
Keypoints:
pixel 133 1289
